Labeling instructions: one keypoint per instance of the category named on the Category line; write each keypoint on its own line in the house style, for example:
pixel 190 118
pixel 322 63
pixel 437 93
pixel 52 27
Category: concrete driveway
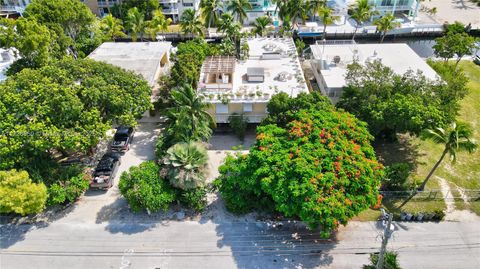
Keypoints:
pixel 142 149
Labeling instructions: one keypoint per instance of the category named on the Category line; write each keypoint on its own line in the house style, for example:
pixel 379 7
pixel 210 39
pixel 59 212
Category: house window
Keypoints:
pixel 247 107
pixel 188 4
pixel 221 109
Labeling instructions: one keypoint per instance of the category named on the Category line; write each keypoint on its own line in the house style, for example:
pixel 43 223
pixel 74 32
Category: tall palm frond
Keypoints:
pixel 135 23
pixel 239 9
pixel 112 27
pixel 190 23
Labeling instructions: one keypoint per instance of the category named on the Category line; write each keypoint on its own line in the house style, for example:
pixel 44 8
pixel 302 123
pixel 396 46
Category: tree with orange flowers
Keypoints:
pixel 316 165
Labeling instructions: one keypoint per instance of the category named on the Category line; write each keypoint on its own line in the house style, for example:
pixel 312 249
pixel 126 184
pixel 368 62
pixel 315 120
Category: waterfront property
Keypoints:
pixel 331 58
pixel 171 8
pixel 246 86
pixel 149 59
pixel 407 8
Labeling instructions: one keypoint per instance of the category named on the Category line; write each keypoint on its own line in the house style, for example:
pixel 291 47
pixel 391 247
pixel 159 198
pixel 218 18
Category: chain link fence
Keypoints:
pixel 464 194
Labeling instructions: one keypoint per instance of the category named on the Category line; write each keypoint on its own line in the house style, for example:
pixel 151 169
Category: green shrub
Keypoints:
pixel 75 187
pixel 439 214
pixel 56 195
pixel 18 194
pixel 396 176
pixel 143 188
pixel 68 191
pixel 195 199
pixel 389 262
pixel 238 123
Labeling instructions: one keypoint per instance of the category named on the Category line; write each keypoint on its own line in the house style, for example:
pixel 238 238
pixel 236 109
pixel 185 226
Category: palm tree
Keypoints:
pixel 327 17
pixel 112 27
pixel 239 9
pixel 211 11
pixel 458 137
pixel 315 5
pixel 187 117
pixel 361 12
pixel 261 24
pixel 296 9
pixel 186 164
pixel 385 24
pixel 135 23
pixel 159 23
pixel 190 23
pixel 231 29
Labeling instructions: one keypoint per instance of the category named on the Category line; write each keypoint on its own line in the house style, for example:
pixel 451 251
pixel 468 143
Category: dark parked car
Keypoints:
pixel 122 139
pixel 105 171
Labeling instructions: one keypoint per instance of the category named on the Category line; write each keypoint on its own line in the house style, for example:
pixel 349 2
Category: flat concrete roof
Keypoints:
pixel 399 57
pixel 288 63
pixel 142 58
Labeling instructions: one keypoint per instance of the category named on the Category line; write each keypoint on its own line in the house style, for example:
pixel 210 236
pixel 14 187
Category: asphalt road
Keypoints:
pixel 100 232
pixel 187 244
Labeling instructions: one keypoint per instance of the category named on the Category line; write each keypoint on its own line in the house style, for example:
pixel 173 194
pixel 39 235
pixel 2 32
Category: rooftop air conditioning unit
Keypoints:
pixel 336 59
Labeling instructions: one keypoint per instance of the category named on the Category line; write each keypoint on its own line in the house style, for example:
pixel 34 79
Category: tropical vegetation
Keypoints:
pixel 457 137
pixel 18 194
pixel 385 24
pixel 361 12
pixel 309 161
pixel 392 103
pixel 186 165
pixel 190 23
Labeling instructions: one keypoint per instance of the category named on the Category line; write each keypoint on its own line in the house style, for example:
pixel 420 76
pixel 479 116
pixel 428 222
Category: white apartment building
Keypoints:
pixel 246 86
pixel 331 59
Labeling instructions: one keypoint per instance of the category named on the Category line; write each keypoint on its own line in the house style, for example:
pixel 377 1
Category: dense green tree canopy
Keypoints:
pixel 34 42
pixel 65 106
pixel 71 18
pixel 391 103
pixel 319 166
pixel 19 195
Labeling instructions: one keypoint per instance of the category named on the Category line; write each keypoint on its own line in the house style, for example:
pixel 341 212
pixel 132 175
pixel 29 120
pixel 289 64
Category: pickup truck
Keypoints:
pixel 105 171
pixel 122 139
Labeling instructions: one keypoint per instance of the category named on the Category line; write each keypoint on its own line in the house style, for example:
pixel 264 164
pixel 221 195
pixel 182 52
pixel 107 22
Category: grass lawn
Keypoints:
pixel 465 173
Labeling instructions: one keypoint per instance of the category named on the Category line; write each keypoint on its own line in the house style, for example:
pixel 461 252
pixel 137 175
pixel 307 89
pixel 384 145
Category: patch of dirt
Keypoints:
pixel 452 214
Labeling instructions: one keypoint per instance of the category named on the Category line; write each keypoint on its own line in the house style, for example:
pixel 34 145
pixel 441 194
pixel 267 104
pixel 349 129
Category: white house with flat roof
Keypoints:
pixel 331 58
pixel 246 86
pixel 149 59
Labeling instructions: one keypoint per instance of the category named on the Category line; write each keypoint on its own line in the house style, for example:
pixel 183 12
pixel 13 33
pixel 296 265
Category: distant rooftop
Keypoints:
pixel 336 55
pixel 142 58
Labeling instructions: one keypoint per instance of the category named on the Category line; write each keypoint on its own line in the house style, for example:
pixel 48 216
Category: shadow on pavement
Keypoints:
pixel 265 244
pixel 227 140
pixel 14 228
pixel 120 219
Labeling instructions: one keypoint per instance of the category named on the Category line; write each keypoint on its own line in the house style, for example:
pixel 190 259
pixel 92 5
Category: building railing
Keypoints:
pixel 255 118
pixel 170 11
pixel 469 195
pixel 167 1
pixel 19 9
pixel 392 7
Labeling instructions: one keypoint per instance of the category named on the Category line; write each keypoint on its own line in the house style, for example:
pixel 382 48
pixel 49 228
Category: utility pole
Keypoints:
pixel 386 235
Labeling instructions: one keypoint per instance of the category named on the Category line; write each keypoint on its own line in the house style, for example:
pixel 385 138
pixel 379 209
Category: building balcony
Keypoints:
pixel 170 11
pixel 392 8
pixel 109 3
pixel 223 118
pixel 8 8
pixel 168 1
